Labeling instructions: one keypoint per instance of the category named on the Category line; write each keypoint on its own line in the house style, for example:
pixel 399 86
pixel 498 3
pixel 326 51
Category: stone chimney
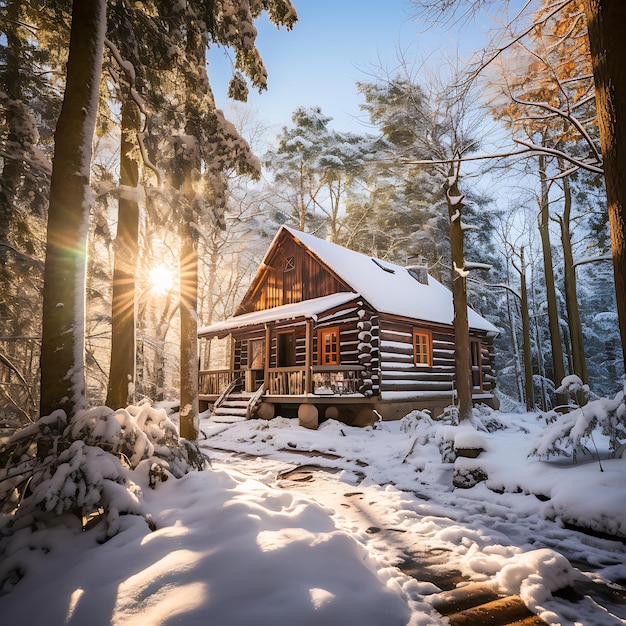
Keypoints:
pixel 417 267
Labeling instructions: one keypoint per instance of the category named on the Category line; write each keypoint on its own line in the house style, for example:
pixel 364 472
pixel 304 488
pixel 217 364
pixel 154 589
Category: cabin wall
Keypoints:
pixel 400 373
pixel 359 341
pixel 241 358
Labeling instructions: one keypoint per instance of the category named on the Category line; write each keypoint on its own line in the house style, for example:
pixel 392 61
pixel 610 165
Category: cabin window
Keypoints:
pixel 256 354
pixel 422 347
pixel 290 263
pixel 286 349
pixel 328 346
pixel 477 363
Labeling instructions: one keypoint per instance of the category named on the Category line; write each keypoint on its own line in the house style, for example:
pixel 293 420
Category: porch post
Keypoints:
pixel 309 355
pixel 268 352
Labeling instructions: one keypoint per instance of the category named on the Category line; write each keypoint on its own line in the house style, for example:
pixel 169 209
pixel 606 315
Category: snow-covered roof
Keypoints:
pixel 306 309
pixel 389 288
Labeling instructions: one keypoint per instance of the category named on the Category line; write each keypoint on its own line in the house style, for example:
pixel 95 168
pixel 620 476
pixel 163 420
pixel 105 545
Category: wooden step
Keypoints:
pixel 460 598
pixel 501 612
pixel 230 410
pixel 235 403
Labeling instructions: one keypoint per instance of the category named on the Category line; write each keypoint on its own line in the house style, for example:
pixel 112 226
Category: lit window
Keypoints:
pixel 422 346
pixel 328 346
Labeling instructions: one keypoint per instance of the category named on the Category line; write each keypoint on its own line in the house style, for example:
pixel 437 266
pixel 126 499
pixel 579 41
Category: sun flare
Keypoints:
pixel 162 279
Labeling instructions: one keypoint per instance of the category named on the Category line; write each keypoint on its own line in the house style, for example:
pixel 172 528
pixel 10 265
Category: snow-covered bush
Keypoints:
pixel 485 418
pixel 568 433
pixel 418 423
pixel 574 388
pixel 84 466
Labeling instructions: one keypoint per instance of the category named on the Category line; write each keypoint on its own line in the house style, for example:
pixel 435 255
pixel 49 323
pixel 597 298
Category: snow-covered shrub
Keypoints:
pixel 82 480
pixel 485 418
pixel 450 415
pixel 567 433
pixel 573 387
pixel 417 423
pixel 444 438
pixel 83 466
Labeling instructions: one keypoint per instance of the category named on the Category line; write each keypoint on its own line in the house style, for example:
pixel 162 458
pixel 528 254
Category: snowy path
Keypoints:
pixel 438 535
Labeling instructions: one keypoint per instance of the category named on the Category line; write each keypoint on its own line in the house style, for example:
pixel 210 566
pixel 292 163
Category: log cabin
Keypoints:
pixel 327 332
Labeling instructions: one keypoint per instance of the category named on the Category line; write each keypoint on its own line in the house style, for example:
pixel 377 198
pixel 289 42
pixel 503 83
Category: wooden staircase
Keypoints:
pixel 235 404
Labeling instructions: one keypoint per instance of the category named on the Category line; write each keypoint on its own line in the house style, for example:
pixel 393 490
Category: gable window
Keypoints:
pixel 422 347
pixel 328 346
pixel 290 263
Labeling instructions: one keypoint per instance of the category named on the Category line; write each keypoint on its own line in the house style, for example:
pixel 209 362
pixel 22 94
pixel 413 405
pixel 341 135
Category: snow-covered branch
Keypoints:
pixel 595 259
pixel 569 118
pixel 590 166
pixel 129 70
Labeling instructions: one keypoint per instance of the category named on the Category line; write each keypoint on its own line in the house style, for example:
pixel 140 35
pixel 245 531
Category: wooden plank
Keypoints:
pixel 309 355
pixel 424 375
pixel 416 385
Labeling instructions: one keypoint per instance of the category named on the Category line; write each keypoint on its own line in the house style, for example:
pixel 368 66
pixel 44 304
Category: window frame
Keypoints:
pixel 428 335
pixel 320 345
pixel 476 354
pixel 286 348
pixel 290 263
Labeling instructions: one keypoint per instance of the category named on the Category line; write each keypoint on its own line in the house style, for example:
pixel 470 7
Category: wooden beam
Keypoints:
pixel 308 355
pixel 268 354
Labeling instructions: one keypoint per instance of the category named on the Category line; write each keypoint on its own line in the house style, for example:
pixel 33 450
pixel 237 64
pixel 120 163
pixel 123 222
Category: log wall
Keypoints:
pixel 400 373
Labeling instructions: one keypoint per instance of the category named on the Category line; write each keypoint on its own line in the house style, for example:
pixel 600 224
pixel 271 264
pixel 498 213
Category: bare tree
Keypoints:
pixel 604 20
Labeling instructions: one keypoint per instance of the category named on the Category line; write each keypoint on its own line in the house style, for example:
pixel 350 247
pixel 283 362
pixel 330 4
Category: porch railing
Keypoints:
pixel 290 381
pixel 286 381
pixel 214 382
pixel 336 380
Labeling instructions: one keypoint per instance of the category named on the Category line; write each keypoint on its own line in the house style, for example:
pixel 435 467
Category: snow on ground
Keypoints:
pixel 237 545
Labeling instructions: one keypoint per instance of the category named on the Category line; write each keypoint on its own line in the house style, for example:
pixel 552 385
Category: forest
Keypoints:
pixel 132 208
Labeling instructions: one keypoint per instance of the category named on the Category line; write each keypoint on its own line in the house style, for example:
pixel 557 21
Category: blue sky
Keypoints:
pixel 334 44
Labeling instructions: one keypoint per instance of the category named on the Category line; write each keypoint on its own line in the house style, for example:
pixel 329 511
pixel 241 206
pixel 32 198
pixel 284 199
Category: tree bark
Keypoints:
pixel 558 368
pixel 123 324
pixel 528 362
pixel 189 404
pixel 605 25
pixel 571 292
pixel 62 350
pixel 462 360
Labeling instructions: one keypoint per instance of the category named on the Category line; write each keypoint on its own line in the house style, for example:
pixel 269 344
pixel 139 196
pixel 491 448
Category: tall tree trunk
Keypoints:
pixel 528 361
pixel 189 404
pixel 571 296
pixel 605 25
pixel 553 312
pixel 123 325
pixel 462 360
pixel 62 349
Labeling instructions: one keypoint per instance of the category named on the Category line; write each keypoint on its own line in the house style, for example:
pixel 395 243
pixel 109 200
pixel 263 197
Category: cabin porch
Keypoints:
pixel 317 380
